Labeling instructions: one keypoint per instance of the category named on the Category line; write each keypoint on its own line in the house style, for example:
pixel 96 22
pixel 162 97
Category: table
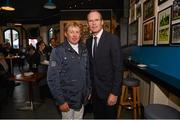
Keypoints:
pixel 36 77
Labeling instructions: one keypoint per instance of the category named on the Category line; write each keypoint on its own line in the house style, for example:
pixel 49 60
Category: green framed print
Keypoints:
pixel 164 19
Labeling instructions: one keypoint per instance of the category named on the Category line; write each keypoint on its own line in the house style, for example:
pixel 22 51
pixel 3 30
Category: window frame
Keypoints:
pixel 11 37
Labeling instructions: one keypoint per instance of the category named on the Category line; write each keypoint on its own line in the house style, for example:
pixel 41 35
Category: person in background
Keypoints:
pixel 6 85
pixel 32 58
pixel 52 44
pixel 42 66
pixel 8 51
pixel 68 75
pixel 22 55
pixel 105 67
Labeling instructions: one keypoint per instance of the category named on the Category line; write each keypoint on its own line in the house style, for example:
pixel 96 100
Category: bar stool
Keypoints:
pixel 134 103
pixel 160 111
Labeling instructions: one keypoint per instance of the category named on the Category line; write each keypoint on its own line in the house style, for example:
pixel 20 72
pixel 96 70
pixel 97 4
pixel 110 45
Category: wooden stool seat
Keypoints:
pixel 134 84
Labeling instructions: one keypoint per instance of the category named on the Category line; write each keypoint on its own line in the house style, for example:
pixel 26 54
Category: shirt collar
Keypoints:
pixel 99 34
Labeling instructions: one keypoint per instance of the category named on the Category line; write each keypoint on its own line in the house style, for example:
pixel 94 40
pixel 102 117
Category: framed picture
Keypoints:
pixel 175 34
pixel 164 19
pixel 133 33
pixel 132 14
pixel 137 1
pixel 148 9
pixel 85 30
pixel 161 1
pixel 148 32
pixel 138 10
pixel 176 10
pixel 132 2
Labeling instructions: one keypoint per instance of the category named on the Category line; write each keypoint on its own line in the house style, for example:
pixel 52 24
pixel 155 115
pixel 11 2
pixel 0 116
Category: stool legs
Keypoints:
pixel 138 100
pixel 121 101
pixel 135 102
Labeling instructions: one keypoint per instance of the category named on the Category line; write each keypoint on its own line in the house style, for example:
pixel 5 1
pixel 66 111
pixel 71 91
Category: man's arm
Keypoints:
pixel 53 77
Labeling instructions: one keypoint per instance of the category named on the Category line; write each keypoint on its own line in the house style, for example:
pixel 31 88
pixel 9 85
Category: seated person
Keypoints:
pixel 6 86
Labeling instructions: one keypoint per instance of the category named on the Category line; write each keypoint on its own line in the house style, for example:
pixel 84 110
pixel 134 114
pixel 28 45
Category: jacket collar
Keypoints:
pixel 68 47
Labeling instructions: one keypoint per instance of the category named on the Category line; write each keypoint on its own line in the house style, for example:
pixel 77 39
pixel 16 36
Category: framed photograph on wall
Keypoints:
pixel 133 33
pixel 132 2
pixel 132 14
pixel 164 19
pixel 161 1
pixel 85 30
pixel 176 10
pixel 138 10
pixel 175 34
pixel 148 9
pixel 137 1
pixel 148 32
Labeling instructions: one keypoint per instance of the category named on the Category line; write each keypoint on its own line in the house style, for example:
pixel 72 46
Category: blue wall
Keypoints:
pixel 162 58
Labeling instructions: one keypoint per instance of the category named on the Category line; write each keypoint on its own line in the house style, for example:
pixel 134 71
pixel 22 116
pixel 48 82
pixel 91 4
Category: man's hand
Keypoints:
pixel 64 107
pixel 112 99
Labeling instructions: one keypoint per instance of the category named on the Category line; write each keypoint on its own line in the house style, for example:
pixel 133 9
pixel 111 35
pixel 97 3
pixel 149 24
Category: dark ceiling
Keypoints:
pixel 32 11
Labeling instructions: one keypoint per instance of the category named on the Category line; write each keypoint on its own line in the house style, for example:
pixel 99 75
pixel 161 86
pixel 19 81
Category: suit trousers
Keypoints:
pixel 103 111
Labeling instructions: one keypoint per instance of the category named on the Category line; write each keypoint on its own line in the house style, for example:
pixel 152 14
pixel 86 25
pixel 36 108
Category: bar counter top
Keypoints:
pixel 171 83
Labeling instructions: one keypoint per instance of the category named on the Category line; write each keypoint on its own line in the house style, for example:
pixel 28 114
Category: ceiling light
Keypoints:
pixel 17 24
pixel 7 6
pixel 50 5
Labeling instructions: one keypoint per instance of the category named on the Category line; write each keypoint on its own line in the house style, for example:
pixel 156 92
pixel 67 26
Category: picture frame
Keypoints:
pixel 148 32
pixel 176 10
pixel 132 2
pixel 161 1
pixel 85 30
pixel 148 9
pixel 137 1
pixel 164 20
pixel 138 10
pixel 132 14
pixel 133 33
pixel 175 36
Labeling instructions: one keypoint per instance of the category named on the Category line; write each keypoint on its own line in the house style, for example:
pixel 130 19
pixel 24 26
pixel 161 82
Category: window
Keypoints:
pixel 50 33
pixel 33 42
pixel 12 36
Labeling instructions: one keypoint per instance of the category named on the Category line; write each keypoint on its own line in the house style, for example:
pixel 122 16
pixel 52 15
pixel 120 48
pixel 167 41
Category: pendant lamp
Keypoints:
pixel 7 6
pixel 50 5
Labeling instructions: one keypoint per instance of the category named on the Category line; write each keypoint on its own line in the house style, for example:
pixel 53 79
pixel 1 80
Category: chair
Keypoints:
pixel 160 111
pixel 134 103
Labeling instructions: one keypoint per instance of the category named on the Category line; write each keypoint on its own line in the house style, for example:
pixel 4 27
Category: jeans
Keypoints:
pixel 72 114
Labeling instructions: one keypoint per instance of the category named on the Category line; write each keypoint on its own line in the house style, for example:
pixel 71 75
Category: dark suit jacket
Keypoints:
pixel 106 68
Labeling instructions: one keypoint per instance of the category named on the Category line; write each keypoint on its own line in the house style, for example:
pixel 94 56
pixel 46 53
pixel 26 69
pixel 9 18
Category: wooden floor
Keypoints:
pixel 45 110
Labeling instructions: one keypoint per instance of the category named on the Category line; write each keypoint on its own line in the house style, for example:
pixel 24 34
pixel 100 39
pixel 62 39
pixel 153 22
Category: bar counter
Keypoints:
pixel 171 83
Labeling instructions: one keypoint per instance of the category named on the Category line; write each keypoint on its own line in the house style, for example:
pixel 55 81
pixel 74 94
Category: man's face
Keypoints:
pixel 73 34
pixel 95 22
pixel 53 43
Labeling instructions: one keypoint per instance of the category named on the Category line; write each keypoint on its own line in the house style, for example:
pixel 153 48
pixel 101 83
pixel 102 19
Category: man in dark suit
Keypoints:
pixel 105 67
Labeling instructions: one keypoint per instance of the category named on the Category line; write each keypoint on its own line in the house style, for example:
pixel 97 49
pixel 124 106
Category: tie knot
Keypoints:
pixel 95 38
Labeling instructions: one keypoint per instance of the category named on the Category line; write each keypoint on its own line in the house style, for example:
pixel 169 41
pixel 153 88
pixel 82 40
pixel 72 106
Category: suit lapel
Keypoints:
pixel 100 44
pixel 90 46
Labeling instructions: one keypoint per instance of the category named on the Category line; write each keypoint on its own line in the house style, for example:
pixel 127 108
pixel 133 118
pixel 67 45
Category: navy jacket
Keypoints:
pixel 68 75
pixel 107 65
